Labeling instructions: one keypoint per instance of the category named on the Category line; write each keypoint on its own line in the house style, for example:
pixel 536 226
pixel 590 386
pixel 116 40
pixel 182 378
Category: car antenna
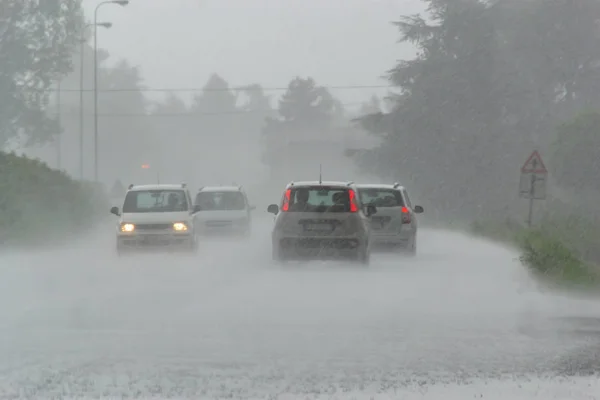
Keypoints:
pixel 320 170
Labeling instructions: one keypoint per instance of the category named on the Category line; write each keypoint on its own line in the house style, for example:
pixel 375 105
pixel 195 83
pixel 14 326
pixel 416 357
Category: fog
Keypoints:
pixel 266 92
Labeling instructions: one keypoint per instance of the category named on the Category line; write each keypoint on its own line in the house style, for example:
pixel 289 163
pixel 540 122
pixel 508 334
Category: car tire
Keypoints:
pixel 194 246
pixel 277 256
pixel 364 257
pixel 411 250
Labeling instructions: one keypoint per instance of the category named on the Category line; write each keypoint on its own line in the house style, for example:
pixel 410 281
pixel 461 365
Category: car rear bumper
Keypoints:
pixel 321 248
pixel 402 239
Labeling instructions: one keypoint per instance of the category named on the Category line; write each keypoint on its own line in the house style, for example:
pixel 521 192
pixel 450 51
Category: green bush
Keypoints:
pixel 39 204
pixel 550 251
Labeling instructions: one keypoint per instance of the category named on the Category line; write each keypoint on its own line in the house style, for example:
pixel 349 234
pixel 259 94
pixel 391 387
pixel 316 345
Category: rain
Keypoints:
pixel 465 132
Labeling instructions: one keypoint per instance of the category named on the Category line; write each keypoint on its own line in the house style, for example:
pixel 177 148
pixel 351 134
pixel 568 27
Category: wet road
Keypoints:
pixel 463 319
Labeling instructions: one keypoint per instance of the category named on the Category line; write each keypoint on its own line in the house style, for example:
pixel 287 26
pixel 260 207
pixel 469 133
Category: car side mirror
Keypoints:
pixel 419 209
pixel 115 211
pixel 197 208
pixel 371 210
pixel 273 209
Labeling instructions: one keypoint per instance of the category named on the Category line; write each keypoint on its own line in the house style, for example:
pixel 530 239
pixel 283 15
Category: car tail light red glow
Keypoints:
pixel 285 206
pixel 353 205
pixel 405 216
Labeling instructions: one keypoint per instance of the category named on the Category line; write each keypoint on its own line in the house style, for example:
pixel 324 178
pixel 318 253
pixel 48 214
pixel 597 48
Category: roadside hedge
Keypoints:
pixel 559 251
pixel 41 205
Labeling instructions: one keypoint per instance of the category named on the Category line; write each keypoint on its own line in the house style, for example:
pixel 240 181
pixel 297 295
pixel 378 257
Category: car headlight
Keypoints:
pixel 180 227
pixel 127 227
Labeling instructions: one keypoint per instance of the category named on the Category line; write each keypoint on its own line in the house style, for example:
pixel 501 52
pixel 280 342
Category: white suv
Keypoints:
pixel 321 220
pixel 395 223
pixel 156 216
pixel 223 210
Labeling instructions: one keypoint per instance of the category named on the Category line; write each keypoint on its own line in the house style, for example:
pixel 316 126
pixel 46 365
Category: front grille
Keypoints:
pixel 153 241
pixel 152 227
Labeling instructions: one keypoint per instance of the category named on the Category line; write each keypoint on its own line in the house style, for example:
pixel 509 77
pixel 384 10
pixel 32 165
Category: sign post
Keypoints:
pixel 532 185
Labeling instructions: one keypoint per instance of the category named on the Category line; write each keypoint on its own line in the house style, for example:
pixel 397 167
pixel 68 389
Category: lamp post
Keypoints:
pixel 121 3
pixel 81 64
pixel 58 119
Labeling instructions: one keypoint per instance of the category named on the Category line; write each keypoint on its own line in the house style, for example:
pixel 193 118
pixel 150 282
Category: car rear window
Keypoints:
pixel 140 201
pixel 381 198
pixel 220 201
pixel 319 199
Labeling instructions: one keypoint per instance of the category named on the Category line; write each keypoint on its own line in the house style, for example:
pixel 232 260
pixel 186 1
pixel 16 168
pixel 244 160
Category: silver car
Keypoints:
pixel 223 210
pixel 321 220
pixel 395 223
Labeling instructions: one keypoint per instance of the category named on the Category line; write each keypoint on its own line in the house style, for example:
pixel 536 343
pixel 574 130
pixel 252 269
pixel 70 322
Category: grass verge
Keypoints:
pixel 39 205
pixel 560 252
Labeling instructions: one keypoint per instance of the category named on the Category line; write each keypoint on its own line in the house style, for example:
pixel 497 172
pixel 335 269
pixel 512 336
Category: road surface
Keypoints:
pixel 461 320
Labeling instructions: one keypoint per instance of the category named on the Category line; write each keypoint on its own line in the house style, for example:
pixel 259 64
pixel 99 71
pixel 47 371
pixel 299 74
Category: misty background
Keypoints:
pixel 260 93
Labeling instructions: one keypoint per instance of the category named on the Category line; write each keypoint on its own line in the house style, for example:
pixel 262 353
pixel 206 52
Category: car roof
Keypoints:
pixel 322 183
pixel 380 186
pixel 157 186
pixel 220 189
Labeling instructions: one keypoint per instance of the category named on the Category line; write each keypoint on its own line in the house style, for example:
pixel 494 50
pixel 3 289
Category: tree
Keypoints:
pixel 258 101
pixel 574 163
pixel 308 131
pixel 38 38
pixel 215 98
pixel 307 105
pixel 446 115
pixel 490 81
pixel 126 135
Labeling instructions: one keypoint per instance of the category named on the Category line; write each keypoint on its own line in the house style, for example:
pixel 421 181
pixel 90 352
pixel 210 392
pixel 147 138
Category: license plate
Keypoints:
pixel 153 239
pixel 318 227
pixel 378 223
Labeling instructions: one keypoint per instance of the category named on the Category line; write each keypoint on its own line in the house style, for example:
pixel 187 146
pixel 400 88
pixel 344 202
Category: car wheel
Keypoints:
pixel 364 257
pixel 194 246
pixel 277 255
pixel 411 250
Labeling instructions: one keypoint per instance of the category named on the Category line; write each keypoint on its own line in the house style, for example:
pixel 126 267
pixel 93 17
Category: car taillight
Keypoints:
pixel 405 216
pixel 286 200
pixel 353 206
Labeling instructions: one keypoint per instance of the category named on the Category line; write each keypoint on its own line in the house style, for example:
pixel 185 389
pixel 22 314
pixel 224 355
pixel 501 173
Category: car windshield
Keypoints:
pixel 319 199
pixel 220 201
pixel 143 201
pixel 381 198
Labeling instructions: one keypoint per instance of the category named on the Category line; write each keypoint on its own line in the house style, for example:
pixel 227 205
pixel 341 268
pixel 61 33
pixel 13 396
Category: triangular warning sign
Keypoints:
pixel 534 164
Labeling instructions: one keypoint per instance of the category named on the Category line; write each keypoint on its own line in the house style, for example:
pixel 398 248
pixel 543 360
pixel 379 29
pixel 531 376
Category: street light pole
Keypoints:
pixel 122 3
pixel 81 89
pixel 58 119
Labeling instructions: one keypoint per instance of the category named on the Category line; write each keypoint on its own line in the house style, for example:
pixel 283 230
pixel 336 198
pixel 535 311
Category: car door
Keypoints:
pixel 190 204
pixel 413 215
pixel 366 220
pixel 248 211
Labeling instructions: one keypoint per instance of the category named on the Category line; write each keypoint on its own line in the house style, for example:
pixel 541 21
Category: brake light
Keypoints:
pixel 286 200
pixel 353 206
pixel 405 216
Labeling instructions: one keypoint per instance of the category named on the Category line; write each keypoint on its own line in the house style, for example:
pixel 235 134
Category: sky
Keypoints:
pixel 178 43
